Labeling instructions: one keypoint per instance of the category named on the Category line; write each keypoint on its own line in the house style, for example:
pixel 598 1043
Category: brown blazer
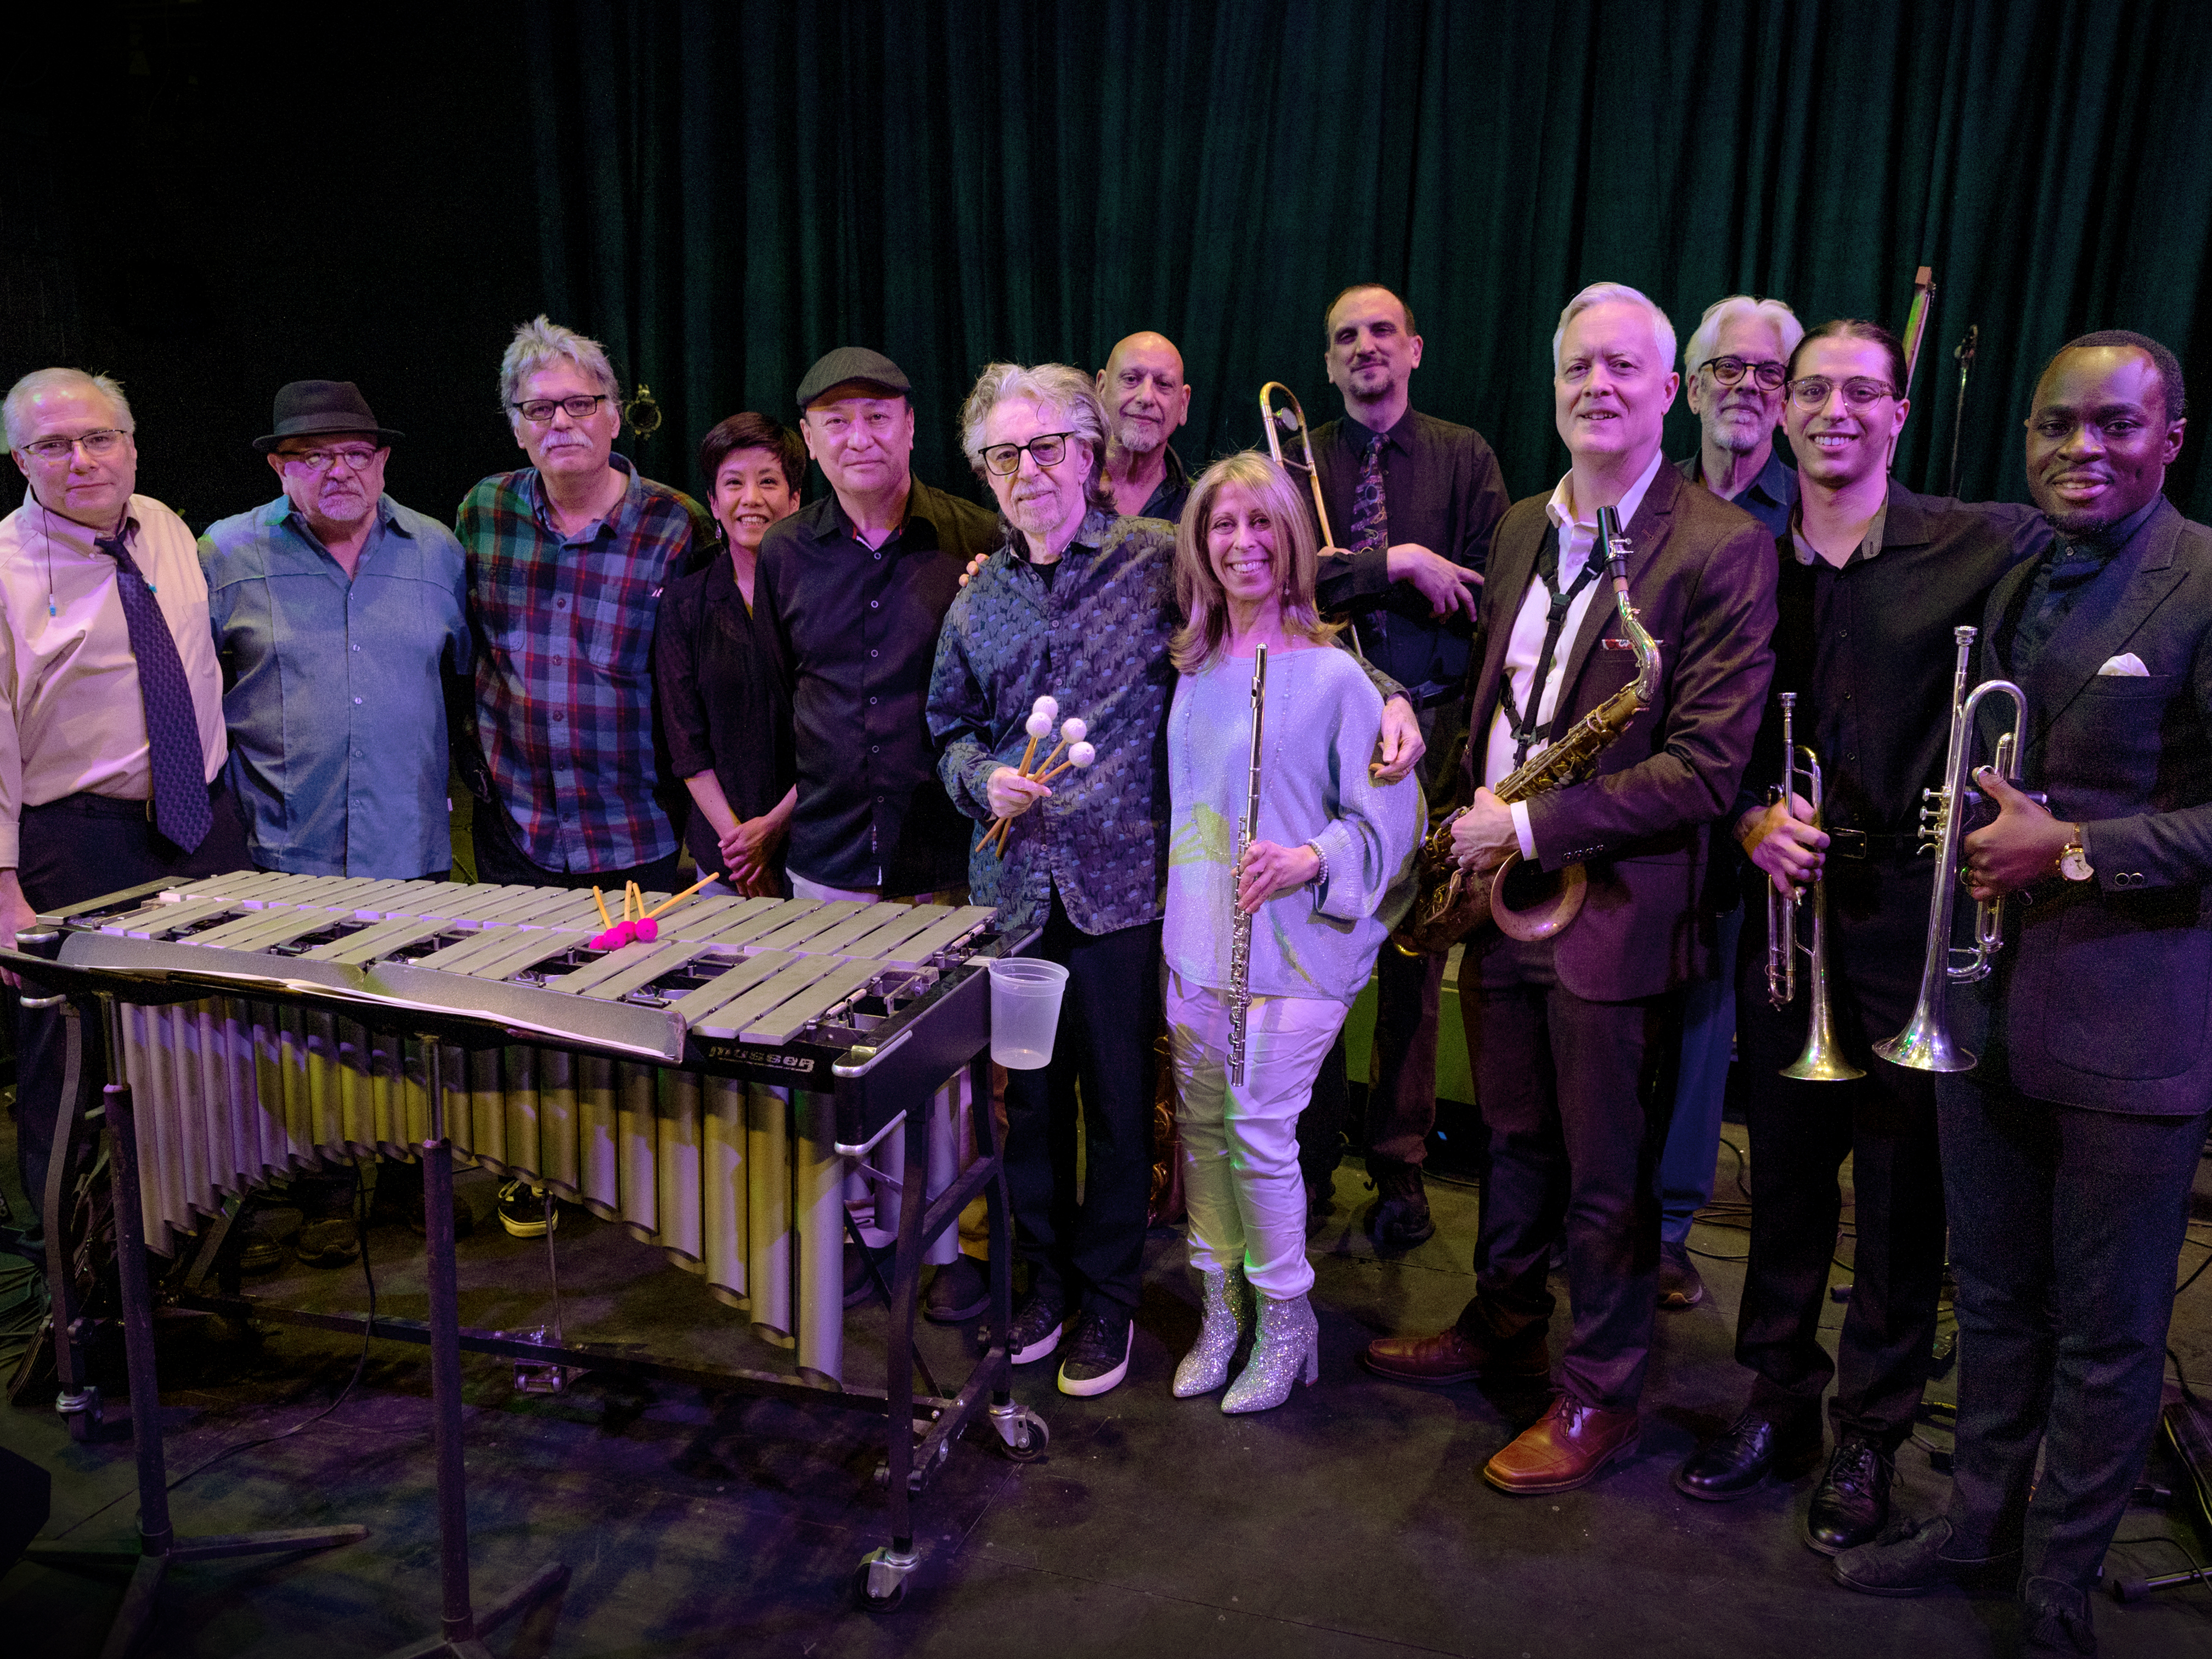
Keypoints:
pixel 1701 574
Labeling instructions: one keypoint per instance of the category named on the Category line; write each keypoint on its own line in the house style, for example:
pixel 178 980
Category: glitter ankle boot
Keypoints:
pixel 1228 1317
pixel 1289 1340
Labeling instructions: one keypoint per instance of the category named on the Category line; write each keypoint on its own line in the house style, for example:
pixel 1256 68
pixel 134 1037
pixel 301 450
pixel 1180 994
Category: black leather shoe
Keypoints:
pixel 1754 1450
pixel 1919 1559
pixel 1851 1505
pixel 2056 1621
pixel 960 1291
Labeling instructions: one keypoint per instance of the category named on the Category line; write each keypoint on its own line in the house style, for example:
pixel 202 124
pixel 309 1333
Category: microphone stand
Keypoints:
pixel 1965 353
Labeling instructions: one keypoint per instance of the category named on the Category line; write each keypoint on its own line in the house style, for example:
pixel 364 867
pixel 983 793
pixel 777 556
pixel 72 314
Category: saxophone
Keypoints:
pixel 1452 901
pixel 1240 920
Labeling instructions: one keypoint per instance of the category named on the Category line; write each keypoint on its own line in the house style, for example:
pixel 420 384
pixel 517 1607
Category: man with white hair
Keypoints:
pixel 1145 400
pixel 112 744
pixel 1733 368
pixel 567 558
pixel 1574 1036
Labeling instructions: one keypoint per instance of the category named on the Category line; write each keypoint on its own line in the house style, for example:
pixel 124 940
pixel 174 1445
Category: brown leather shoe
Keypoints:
pixel 1448 1356
pixel 1563 1450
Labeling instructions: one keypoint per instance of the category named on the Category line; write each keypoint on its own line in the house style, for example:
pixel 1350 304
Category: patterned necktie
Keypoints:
pixel 1370 513
pixel 172 728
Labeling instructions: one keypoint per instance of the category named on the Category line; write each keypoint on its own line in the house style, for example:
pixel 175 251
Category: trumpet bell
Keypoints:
pixel 1925 1046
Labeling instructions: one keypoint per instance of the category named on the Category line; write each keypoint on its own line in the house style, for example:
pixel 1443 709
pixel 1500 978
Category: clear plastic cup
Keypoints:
pixel 1024 1010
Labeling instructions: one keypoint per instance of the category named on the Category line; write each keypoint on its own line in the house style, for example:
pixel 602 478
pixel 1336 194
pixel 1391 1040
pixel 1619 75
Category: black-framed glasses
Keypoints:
pixel 538 410
pixel 1046 449
pixel 1813 391
pixel 1728 370
pixel 98 445
pixel 355 459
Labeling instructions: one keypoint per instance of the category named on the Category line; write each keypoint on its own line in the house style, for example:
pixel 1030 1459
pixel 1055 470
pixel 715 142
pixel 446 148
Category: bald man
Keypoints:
pixel 1146 398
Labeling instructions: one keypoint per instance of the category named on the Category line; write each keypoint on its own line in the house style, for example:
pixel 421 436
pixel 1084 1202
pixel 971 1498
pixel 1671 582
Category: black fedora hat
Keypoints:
pixel 308 409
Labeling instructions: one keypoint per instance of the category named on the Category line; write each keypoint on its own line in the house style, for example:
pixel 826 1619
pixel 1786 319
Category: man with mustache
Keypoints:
pixel 2069 1149
pixel 1732 370
pixel 1874 580
pixel 1146 398
pixel 1414 502
pixel 111 744
pixel 339 615
pixel 567 558
pixel 1574 1036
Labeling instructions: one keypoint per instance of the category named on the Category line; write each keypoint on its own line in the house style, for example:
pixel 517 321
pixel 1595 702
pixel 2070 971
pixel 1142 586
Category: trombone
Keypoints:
pixel 1291 418
pixel 1925 1044
pixel 1822 1060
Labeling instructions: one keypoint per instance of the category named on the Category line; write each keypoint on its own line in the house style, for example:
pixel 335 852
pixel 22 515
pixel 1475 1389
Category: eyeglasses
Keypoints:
pixel 1728 370
pixel 1046 449
pixel 97 445
pixel 321 461
pixel 539 410
pixel 1815 390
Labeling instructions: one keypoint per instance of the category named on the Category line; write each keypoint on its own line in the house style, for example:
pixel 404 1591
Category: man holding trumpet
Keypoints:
pixel 1873 581
pixel 2068 1149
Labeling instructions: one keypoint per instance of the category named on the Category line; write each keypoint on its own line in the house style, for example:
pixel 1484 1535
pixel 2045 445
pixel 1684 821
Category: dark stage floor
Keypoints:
pixel 1352 1522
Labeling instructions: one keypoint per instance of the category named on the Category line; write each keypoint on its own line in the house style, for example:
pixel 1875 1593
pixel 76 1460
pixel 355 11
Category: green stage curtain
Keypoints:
pixel 724 191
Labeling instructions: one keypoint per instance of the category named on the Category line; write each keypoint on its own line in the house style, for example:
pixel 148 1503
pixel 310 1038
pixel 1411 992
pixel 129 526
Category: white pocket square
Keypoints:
pixel 2126 665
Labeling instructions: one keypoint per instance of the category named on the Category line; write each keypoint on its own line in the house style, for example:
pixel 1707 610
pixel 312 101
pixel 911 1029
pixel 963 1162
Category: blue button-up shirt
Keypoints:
pixel 1771 498
pixel 333 690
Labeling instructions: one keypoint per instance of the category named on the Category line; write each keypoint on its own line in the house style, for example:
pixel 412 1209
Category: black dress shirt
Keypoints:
pixel 1771 498
pixel 1868 647
pixel 724 709
pixel 1442 487
pixel 852 631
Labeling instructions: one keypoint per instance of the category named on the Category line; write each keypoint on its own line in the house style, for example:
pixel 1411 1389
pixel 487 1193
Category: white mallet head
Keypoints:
pixel 1049 707
pixel 1039 725
pixel 1080 754
pixel 1073 730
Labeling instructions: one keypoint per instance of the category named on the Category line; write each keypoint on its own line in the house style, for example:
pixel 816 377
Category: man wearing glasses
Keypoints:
pixel 1734 367
pixel 566 560
pixel 111 699
pixel 339 615
pixel 1873 579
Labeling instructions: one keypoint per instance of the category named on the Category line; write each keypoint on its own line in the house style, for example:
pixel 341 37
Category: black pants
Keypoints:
pixel 2065 1225
pixel 1800 1134
pixel 500 859
pixel 1108 1017
pixel 80 847
pixel 1576 1096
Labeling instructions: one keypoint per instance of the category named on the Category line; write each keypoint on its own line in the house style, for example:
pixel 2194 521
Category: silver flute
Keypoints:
pixel 1240 922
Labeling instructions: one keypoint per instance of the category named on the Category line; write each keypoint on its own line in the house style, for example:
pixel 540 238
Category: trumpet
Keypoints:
pixel 1292 419
pixel 1925 1044
pixel 1822 1060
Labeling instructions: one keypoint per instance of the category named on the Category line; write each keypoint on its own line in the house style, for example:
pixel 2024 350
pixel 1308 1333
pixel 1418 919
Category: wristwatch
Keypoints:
pixel 2074 861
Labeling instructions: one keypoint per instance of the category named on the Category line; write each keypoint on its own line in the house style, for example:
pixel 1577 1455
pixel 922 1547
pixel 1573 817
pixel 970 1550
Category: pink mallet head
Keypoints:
pixel 647 928
pixel 616 937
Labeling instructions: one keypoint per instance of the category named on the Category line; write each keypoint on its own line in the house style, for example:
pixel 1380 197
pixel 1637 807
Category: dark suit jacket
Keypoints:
pixel 1701 575
pixel 2106 986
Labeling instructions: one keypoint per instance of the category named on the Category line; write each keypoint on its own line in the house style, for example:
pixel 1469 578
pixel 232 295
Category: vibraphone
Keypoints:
pixel 642 1081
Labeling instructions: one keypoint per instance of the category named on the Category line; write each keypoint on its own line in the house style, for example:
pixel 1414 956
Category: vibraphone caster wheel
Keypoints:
pixel 83 1411
pixel 1022 1433
pixel 879 1585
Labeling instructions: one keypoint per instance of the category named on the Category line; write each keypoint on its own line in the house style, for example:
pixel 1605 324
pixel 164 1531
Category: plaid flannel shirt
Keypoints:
pixel 564 653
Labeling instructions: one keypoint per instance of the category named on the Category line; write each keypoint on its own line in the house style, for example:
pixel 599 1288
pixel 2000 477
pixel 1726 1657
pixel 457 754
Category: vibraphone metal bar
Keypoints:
pixel 872 1006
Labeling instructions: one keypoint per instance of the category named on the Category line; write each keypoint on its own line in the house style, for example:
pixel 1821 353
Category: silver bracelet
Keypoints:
pixel 1319 876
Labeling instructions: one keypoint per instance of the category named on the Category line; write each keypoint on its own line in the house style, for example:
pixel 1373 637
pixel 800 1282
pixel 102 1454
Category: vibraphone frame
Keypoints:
pixel 880 1090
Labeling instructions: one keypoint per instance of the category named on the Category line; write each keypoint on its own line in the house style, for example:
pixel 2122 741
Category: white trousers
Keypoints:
pixel 1240 1142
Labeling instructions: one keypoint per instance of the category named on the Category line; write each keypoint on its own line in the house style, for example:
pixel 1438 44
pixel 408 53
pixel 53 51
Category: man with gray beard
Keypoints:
pixel 1146 398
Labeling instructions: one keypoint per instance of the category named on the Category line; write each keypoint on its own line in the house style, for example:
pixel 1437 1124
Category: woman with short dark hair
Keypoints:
pixel 727 714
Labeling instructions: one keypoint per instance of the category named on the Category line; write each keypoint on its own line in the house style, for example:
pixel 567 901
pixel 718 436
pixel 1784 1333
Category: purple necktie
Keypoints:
pixel 173 727
pixel 1371 515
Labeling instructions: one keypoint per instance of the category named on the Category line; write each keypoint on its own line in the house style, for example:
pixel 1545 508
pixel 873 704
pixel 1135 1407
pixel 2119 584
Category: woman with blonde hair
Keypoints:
pixel 1330 869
